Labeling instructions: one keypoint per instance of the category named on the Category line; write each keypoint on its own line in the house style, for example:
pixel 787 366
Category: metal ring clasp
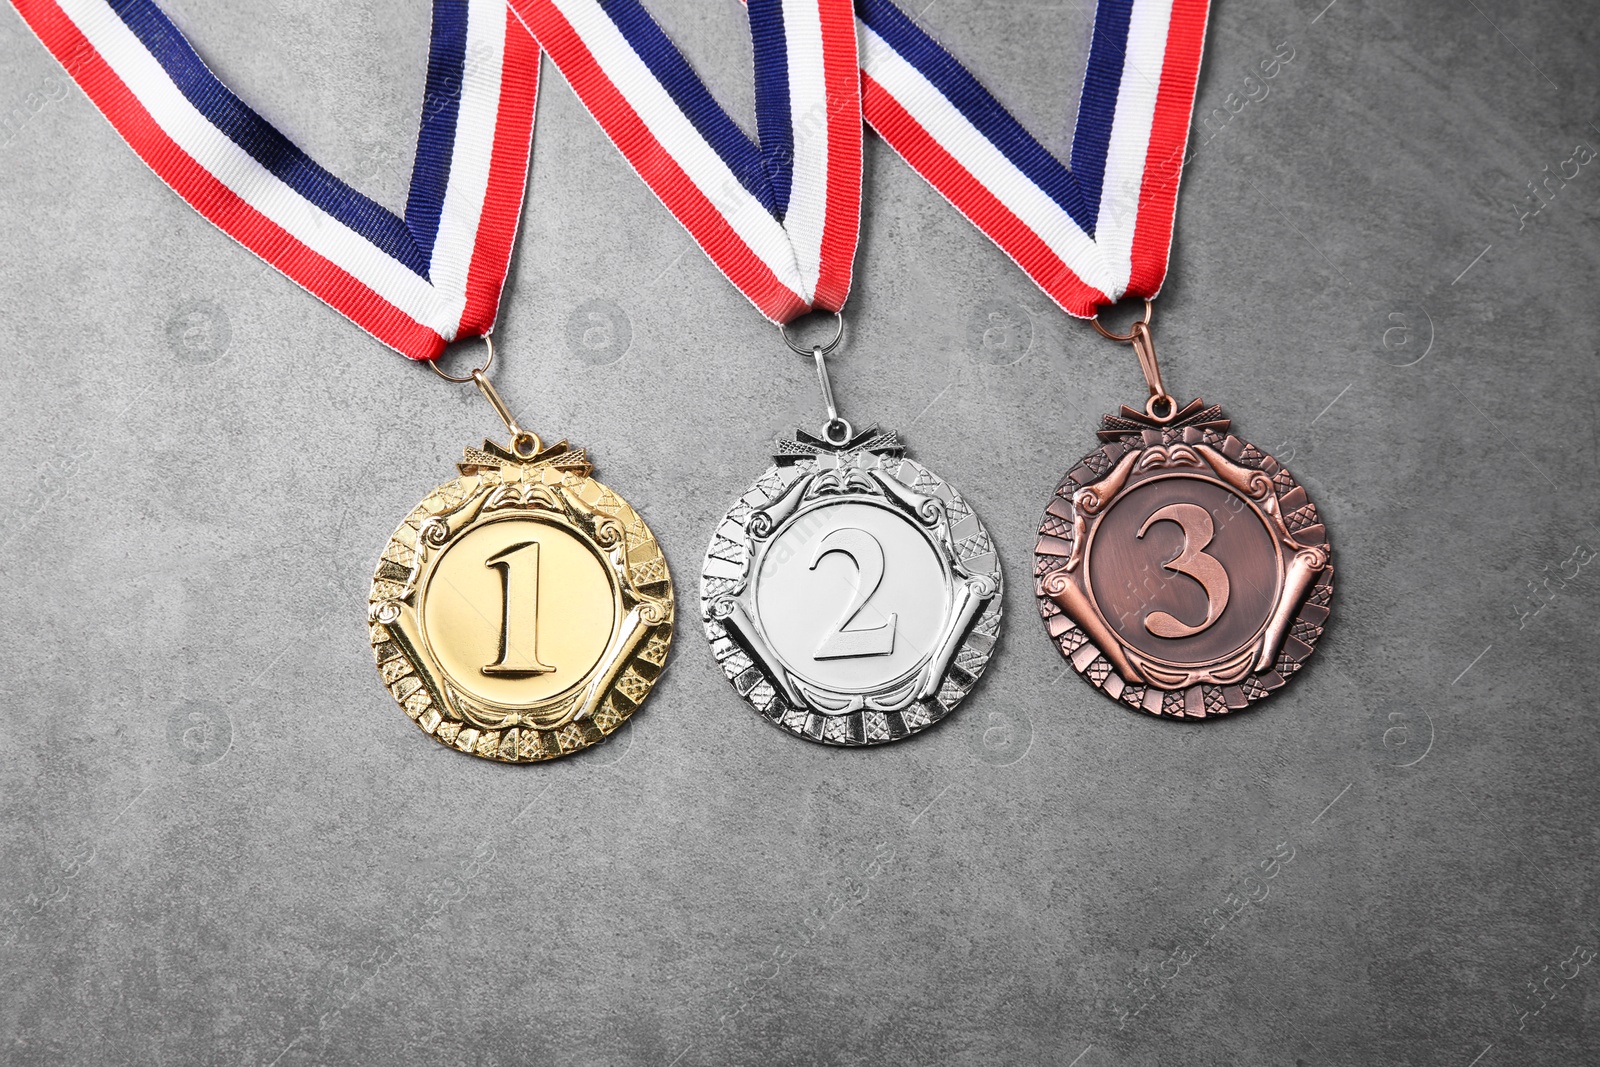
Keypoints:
pixel 525 443
pixel 1160 407
pixel 471 374
pixel 1125 338
pixel 827 349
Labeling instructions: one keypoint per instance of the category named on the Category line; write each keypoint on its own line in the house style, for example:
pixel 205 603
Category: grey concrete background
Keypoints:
pixel 224 845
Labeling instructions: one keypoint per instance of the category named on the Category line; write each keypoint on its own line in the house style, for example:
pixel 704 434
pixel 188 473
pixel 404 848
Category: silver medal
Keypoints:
pixel 851 595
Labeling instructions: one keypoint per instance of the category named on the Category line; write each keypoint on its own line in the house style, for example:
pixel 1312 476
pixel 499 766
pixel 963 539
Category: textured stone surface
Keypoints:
pixel 224 844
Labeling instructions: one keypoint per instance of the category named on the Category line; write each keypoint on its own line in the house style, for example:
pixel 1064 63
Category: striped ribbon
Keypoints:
pixel 415 283
pixel 1090 233
pixel 780 215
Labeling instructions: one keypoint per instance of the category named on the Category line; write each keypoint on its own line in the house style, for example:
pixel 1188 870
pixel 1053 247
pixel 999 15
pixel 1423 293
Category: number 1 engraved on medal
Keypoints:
pixel 867 554
pixel 1198 530
pixel 519 626
pixel 505 619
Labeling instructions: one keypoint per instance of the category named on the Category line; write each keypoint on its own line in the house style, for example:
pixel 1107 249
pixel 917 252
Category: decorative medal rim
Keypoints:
pixel 859 465
pixel 555 486
pixel 1080 502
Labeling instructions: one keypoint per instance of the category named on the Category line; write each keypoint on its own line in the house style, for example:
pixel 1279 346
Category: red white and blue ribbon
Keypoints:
pixel 415 283
pixel 1088 234
pixel 779 216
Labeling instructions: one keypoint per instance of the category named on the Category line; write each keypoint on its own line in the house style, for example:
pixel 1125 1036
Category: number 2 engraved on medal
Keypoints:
pixel 519 620
pixel 1198 530
pixel 867 554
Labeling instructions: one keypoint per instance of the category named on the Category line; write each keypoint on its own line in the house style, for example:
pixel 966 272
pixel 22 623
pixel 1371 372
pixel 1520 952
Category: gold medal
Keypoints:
pixel 522 611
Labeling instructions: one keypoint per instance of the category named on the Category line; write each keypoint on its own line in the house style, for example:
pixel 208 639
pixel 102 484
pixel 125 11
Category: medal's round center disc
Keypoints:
pixel 1184 569
pixel 517 611
pixel 852 596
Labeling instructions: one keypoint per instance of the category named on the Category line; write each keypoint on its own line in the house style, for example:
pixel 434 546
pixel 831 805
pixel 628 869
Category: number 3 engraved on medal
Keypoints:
pixel 867 554
pixel 519 620
pixel 1198 530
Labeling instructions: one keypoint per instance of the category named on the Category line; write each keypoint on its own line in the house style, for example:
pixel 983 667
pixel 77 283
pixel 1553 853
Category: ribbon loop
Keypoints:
pixel 1088 234
pixel 415 282
pixel 780 217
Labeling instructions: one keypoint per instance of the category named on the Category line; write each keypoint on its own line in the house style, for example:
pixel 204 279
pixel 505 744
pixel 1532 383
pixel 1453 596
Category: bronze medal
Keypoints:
pixel 1179 568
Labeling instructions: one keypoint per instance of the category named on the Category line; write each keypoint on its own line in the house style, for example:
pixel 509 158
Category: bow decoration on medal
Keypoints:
pixel 850 595
pixel 522 611
pixel 1179 569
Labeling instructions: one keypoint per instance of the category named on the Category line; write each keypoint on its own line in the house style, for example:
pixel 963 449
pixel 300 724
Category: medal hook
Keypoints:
pixel 836 431
pixel 1160 406
pixel 524 443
